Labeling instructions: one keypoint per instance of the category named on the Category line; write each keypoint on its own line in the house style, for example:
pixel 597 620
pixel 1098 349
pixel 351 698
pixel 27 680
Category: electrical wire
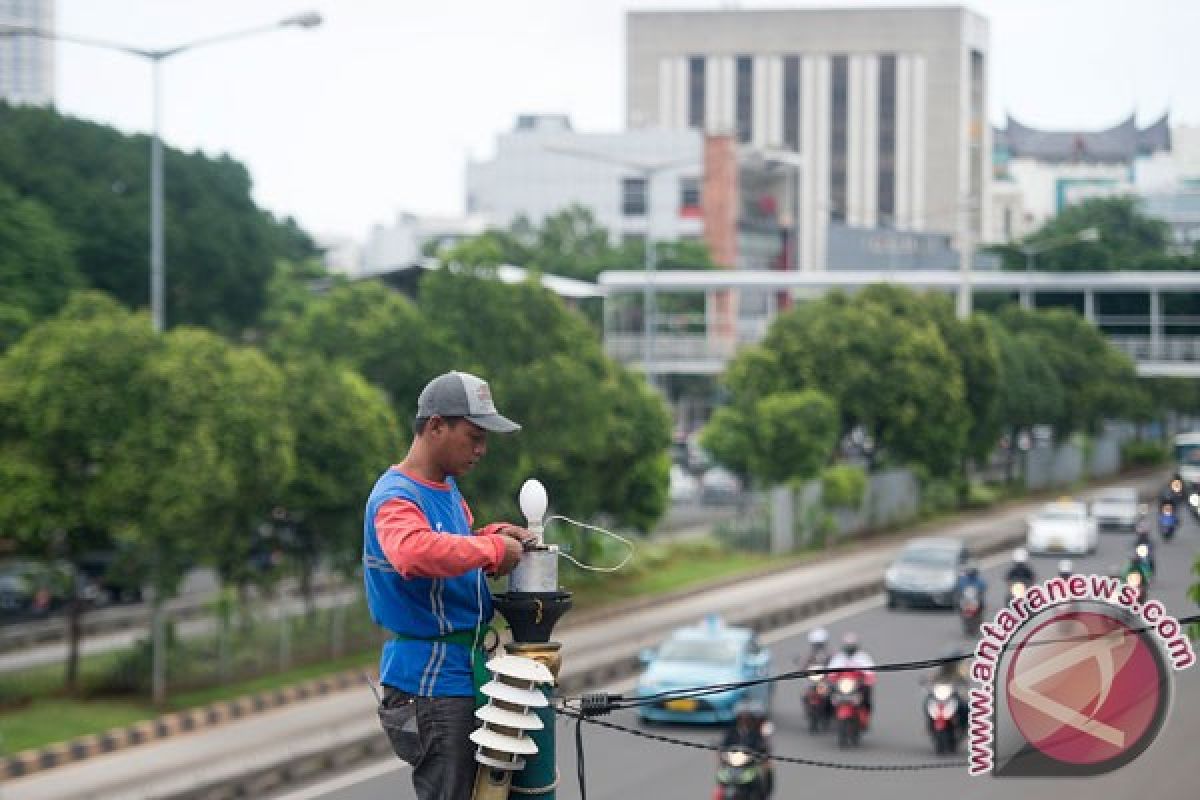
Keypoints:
pixel 595 704
pixel 588 567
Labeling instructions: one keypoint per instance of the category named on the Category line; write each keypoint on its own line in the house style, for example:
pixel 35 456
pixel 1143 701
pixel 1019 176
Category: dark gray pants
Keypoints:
pixel 431 733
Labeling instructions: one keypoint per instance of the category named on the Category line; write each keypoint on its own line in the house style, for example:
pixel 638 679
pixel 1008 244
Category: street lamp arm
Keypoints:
pixel 42 33
pixel 1085 235
pixel 308 20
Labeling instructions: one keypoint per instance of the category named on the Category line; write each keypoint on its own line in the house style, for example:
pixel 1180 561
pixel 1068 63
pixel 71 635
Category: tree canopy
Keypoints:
pixel 93 181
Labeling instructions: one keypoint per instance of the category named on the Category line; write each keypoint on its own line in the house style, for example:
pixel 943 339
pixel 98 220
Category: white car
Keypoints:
pixel 1062 527
pixel 1116 509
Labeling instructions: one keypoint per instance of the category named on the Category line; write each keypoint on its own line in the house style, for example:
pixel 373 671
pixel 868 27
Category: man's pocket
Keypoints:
pixel 398 715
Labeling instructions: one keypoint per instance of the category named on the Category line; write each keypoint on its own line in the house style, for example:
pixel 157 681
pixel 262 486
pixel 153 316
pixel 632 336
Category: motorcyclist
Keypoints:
pixel 969 578
pixel 819 649
pixel 1174 493
pixel 817 658
pixel 851 657
pixel 1143 561
pixel 1065 568
pixel 1168 520
pixel 1143 548
pixel 953 670
pixel 751 730
pixel 1020 570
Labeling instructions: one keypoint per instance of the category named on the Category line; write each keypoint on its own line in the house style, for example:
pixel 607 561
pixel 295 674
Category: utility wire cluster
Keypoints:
pixel 585 708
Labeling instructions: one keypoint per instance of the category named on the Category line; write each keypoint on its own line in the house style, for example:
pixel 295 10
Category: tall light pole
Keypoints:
pixel 647 172
pixel 1030 251
pixel 310 19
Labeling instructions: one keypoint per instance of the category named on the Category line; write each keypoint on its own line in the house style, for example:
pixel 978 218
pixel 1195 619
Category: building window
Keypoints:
pixel 744 108
pixel 633 197
pixel 791 103
pixel 839 122
pixel 689 197
pixel 887 140
pixel 696 108
pixel 975 144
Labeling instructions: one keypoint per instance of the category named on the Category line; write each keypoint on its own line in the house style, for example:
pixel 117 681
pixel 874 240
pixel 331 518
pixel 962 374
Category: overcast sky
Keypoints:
pixel 378 110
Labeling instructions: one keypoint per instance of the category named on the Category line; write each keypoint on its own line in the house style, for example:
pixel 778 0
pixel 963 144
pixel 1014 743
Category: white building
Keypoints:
pixel 885 107
pixel 404 243
pixel 1039 173
pixel 542 166
pixel 27 62
pixel 411 237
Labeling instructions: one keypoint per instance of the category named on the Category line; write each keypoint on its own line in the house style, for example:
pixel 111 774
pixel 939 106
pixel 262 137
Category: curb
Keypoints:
pixel 28 762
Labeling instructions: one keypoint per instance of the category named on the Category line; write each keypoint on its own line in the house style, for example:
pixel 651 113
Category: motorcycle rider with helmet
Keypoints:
pixel 751 730
pixel 851 657
pixel 818 648
pixel 816 694
pixel 1020 570
pixel 1065 568
pixel 953 671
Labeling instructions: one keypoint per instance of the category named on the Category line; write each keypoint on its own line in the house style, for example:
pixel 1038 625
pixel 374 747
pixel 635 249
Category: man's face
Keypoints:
pixel 459 445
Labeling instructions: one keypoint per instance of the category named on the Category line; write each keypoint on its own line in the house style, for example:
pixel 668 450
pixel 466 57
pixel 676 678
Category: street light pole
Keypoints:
pixel 309 19
pixel 157 261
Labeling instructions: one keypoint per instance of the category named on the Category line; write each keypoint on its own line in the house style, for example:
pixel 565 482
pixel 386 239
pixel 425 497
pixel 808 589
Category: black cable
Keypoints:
pixel 580 719
pixel 597 704
pixel 579 757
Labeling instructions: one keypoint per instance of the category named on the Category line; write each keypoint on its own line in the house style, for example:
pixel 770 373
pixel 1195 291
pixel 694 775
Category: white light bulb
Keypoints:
pixel 533 503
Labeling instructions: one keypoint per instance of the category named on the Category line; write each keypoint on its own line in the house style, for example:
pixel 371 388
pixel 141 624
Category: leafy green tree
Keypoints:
pixel 1128 240
pixel 37 271
pixel 346 433
pixel 587 421
pixel 795 435
pixel 217 440
pixel 220 248
pixel 1030 392
pixel 884 372
pixel 69 393
pixel 1098 380
pixel 971 344
pixel 374 330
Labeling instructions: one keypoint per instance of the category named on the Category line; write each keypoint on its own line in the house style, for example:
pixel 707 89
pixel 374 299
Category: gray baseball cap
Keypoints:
pixel 461 394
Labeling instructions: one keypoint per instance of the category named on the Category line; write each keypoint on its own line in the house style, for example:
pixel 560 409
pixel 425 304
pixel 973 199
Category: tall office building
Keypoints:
pixel 884 109
pixel 27 62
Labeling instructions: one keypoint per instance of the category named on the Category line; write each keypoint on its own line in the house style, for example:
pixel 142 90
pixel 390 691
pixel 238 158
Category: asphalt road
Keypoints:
pixel 620 766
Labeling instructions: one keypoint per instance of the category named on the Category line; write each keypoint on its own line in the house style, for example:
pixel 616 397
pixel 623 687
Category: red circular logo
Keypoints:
pixel 1084 688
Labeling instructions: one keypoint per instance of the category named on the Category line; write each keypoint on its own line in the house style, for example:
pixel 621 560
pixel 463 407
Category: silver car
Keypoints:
pixel 926 572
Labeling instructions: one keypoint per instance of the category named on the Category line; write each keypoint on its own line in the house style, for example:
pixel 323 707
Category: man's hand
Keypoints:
pixel 512 555
pixel 521 535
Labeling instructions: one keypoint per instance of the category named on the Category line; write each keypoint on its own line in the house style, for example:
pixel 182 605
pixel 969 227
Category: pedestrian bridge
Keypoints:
pixel 1132 308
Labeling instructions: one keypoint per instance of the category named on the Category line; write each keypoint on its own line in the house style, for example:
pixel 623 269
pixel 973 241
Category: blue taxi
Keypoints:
pixel 707 654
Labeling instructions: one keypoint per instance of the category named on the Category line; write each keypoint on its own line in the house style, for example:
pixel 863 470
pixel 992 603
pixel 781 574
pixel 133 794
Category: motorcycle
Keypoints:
pixel 741 775
pixel 970 608
pixel 848 707
pixel 942 709
pixel 817 707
